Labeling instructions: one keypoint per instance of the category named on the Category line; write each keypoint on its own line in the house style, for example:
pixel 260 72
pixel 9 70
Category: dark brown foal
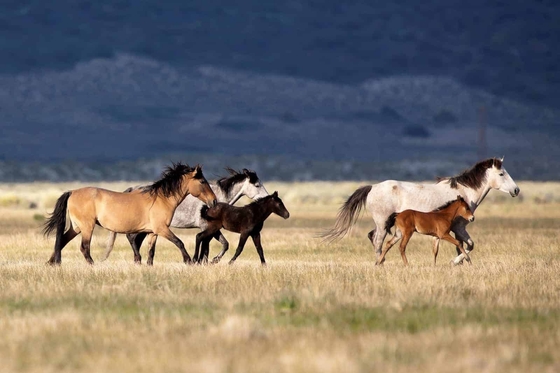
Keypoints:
pixel 247 221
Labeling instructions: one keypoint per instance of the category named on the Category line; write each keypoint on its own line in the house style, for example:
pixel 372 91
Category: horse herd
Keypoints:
pixel 182 198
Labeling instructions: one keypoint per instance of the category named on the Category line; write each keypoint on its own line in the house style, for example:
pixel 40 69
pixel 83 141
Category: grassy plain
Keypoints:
pixel 315 308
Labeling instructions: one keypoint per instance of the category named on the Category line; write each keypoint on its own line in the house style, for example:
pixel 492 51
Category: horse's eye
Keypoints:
pixel 501 174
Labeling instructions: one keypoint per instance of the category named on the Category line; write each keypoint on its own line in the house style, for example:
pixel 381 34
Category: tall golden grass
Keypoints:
pixel 315 308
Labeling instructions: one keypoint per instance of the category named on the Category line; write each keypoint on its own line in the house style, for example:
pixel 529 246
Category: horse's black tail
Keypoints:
pixel 390 222
pixel 347 215
pixel 57 219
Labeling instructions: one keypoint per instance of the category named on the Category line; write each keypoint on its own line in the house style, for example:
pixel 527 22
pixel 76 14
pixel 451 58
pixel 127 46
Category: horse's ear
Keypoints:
pixel 246 171
pixel 501 160
pixel 275 194
pixel 459 198
pixel 197 171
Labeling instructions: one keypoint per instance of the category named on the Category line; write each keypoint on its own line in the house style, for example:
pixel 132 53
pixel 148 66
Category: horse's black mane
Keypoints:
pixel 226 183
pixel 474 176
pixel 170 180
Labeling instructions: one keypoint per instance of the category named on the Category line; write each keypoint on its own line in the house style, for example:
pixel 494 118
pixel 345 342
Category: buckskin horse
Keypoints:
pixel 149 209
pixel 187 215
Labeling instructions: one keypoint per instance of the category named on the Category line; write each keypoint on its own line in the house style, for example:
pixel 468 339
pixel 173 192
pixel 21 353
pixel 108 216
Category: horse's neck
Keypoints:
pixel 449 212
pixel 230 197
pixel 181 194
pixel 474 197
pixel 261 211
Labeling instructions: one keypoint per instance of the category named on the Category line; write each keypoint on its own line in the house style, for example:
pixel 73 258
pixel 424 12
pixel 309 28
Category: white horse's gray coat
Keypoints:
pixel 390 196
pixel 228 190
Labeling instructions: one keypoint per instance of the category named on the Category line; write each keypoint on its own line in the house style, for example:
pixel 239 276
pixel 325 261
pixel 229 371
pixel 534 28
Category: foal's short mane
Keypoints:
pixel 170 181
pixel 447 204
pixel 390 222
pixel 226 183
pixel 474 176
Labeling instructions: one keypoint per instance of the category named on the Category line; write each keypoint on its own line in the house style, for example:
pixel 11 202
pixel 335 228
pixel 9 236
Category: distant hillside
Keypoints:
pixel 325 90
pixel 508 48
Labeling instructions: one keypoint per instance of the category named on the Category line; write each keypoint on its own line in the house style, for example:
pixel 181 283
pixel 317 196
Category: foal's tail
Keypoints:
pixel 112 235
pixel 347 215
pixel 57 220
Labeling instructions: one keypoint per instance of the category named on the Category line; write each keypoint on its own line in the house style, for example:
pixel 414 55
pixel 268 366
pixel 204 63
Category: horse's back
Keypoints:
pixel 396 196
pixel 116 211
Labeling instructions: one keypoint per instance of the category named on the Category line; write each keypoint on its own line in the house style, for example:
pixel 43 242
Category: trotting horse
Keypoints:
pixel 247 221
pixel 391 196
pixel 187 215
pixel 436 223
pixel 149 209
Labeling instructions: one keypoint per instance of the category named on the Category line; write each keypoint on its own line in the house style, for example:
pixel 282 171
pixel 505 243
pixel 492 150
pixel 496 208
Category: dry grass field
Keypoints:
pixel 315 308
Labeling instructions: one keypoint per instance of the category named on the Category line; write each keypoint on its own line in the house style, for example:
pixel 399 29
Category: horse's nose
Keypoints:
pixel 471 219
pixel 213 203
pixel 516 191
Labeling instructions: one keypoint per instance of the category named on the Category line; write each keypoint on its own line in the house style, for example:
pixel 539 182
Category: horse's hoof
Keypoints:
pixel 216 260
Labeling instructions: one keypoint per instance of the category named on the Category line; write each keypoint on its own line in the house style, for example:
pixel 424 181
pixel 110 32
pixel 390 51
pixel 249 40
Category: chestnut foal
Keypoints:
pixel 436 223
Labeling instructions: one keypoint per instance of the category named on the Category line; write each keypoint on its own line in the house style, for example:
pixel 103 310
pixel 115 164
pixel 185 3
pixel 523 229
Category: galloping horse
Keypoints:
pixel 391 196
pixel 149 209
pixel 247 221
pixel 436 223
pixel 187 215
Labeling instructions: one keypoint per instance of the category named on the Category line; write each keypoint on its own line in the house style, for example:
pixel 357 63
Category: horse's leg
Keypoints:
pixel 225 246
pixel 201 243
pixel 402 247
pixel 388 245
pixel 379 237
pixel 455 242
pixel 242 239
pixel 56 257
pixel 135 240
pixel 257 241
pixel 461 234
pixel 205 250
pixel 86 243
pixel 436 249
pixel 152 239
pixel 166 233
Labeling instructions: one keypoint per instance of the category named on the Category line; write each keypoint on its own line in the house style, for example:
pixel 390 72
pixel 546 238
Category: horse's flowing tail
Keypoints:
pixel 57 220
pixel 347 215
pixel 112 235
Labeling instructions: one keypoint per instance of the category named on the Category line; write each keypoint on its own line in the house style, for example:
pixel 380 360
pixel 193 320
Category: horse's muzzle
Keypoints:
pixel 286 215
pixel 471 219
pixel 212 203
pixel 515 192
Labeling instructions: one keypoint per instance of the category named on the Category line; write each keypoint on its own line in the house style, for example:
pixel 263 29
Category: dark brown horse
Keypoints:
pixel 247 220
pixel 436 223
pixel 149 209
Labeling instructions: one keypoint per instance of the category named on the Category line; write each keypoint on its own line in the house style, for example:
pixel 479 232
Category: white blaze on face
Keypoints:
pixel 500 180
pixel 254 191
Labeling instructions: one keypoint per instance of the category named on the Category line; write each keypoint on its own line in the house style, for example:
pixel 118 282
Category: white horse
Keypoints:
pixel 187 215
pixel 390 196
